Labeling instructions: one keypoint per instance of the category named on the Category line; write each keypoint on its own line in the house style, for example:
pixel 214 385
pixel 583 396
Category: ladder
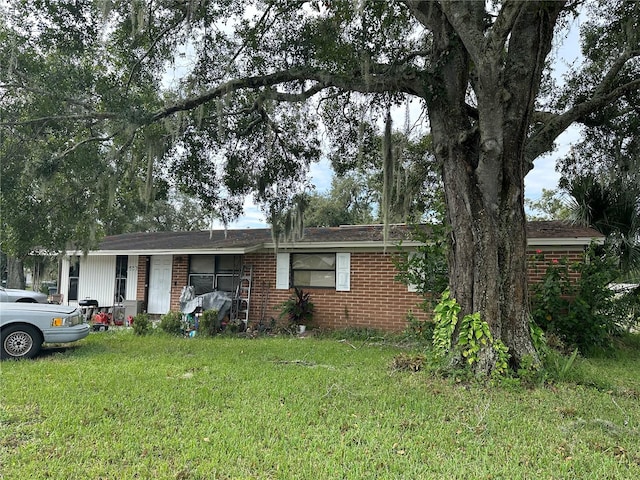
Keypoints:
pixel 242 299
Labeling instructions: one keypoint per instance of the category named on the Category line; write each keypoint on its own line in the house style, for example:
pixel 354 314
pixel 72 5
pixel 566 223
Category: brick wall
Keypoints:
pixel 376 299
pixel 179 278
pixel 540 259
pixel 142 280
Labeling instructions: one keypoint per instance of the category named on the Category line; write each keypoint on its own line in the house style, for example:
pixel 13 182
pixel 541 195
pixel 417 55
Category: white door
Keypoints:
pixel 160 284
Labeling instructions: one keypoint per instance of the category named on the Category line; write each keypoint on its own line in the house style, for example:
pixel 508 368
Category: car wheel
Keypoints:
pixel 20 341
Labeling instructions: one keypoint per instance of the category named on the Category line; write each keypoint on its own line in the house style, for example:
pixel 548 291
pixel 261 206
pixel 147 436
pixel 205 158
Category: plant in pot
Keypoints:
pixel 298 310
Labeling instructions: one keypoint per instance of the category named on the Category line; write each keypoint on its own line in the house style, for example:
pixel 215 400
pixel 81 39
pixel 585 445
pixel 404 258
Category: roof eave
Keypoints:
pixel 169 251
pixel 564 242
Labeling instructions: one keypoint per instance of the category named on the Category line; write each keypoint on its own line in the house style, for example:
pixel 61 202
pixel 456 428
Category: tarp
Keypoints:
pixel 220 301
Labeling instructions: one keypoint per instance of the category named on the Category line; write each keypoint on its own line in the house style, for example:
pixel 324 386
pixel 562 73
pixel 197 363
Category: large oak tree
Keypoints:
pixel 227 98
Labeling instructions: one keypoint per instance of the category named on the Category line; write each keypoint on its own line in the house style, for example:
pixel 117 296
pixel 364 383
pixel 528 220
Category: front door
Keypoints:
pixel 160 284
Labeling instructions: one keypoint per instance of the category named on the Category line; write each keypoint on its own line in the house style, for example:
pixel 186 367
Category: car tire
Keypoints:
pixel 19 341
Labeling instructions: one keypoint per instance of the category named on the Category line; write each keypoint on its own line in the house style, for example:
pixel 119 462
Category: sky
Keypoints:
pixel 543 175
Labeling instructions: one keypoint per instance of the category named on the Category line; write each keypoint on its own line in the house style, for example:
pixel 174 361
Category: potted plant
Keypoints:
pixel 298 309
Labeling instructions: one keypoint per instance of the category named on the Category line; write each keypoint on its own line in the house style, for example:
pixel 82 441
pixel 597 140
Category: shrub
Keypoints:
pixel 141 324
pixel 582 314
pixel 626 308
pixel 425 270
pixel 209 325
pixel 297 309
pixel 419 330
pixel 172 323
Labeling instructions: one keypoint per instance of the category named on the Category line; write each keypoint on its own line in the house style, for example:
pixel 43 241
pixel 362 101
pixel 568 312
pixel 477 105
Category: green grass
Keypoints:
pixel 118 406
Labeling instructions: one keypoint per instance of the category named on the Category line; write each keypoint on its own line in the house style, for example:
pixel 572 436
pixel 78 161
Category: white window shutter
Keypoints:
pixel 343 272
pixel 282 271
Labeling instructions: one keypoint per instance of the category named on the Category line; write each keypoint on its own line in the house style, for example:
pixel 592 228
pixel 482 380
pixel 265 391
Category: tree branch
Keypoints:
pixel 63 118
pixel 151 47
pixel 499 33
pixel 467 18
pixel 84 142
pixel 542 138
pixel 405 81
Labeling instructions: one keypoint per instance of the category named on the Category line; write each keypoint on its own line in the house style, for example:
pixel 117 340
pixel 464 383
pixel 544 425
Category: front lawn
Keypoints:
pixel 118 406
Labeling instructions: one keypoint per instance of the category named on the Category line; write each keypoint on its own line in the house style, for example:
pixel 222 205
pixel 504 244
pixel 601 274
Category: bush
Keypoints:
pixel 626 307
pixel 419 330
pixel 297 309
pixel 172 323
pixel 209 325
pixel 141 324
pixel 582 314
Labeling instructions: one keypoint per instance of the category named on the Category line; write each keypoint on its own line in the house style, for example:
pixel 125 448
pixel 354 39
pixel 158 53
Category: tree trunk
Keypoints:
pixel 483 166
pixel 15 273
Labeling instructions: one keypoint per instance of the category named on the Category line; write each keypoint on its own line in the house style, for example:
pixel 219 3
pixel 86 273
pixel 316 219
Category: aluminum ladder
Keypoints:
pixel 242 300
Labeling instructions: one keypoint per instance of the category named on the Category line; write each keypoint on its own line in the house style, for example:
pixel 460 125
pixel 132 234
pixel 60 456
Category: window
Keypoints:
pixel 74 275
pixel 122 263
pixel 214 272
pixel 313 269
pixel 202 273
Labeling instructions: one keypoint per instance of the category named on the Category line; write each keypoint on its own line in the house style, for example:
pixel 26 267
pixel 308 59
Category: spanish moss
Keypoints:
pixel 387 177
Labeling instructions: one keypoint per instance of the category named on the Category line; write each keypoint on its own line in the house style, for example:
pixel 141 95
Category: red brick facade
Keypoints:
pixel 143 263
pixel 375 299
pixel 179 278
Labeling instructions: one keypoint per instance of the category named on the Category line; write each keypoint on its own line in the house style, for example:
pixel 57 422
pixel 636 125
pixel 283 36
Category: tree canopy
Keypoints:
pixel 227 99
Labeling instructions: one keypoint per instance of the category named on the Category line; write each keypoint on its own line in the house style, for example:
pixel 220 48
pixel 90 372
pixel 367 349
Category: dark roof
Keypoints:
pixel 250 238
pixel 559 229
pixel 246 238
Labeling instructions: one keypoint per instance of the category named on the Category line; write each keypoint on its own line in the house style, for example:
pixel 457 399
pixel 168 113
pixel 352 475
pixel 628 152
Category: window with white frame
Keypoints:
pixel 315 270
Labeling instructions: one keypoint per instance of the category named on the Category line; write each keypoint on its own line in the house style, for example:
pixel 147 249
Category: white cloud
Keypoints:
pixel 321 174
pixel 544 174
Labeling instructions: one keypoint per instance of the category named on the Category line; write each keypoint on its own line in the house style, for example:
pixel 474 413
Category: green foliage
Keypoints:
pixel 172 323
pixel 208 325
pixel 298 308
pixel 426 268
pixel 346 203
pixel 141 324
pixel 502 358
pixel 355 334
pixel 419 330
pixel 474 335
pixel 550 206
pixel 537 337
pixel 611 205
pixel 626 308
pixel 581 314
pixel 445 319
pixel 562 365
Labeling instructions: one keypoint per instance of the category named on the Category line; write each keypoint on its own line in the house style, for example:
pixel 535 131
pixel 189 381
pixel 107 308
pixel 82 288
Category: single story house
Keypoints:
pixel 347 270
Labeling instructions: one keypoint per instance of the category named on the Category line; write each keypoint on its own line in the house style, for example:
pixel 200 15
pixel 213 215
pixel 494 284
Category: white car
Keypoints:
pixel 22 296
pixel 24 327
